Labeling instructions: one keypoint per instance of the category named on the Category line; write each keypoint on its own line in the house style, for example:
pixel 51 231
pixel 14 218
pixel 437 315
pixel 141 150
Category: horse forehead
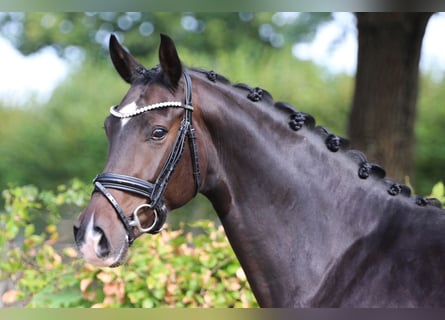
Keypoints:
pixel 144 93
pixel 129 107
pixel 139 96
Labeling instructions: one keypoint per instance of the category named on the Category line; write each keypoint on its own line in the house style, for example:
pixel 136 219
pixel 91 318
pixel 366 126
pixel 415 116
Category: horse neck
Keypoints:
pixel 284 200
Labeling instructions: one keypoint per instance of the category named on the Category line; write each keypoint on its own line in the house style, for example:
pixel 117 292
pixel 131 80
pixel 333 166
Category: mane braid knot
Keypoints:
pixel 364 170
pixel 211 75
pixel 395 189
pixel 333 142
pixel 256 94
pixel 299 119
pixel 421 201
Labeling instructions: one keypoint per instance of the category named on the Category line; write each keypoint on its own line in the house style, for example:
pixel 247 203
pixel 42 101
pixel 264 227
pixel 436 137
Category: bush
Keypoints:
pixel 174 268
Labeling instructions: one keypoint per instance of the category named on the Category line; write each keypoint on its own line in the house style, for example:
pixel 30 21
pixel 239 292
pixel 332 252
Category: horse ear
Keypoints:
pixel 169 60
pixel 124 63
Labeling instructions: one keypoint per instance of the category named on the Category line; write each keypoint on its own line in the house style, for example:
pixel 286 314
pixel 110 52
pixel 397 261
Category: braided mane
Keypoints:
pixel 334 143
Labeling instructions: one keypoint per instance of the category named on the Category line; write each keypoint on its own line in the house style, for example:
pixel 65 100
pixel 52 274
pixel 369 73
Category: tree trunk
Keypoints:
pixel 381 122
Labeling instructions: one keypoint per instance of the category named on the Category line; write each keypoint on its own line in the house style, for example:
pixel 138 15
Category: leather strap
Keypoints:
pixel 118 209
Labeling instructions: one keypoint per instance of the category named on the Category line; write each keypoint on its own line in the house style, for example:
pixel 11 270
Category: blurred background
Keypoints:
pixel 57 82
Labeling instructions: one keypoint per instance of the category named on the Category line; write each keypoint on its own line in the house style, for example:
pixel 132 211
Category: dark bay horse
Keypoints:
pixel 312 222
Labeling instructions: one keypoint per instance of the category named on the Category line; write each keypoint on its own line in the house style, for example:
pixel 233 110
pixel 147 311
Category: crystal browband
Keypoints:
pixel 114 112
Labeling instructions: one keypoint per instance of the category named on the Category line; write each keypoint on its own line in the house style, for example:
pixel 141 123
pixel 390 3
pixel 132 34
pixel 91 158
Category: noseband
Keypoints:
pixel 153 191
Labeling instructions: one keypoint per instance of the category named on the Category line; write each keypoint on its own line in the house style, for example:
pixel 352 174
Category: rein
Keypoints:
pixel 153 191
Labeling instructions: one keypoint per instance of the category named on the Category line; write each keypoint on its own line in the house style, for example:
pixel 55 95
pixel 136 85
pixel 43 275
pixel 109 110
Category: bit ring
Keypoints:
pixel 135 222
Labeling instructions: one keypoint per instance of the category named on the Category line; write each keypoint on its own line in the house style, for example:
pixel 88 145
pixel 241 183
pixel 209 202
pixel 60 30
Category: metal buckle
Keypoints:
pixel 135 222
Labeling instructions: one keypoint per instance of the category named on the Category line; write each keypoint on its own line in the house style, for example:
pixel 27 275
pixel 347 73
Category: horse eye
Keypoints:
pixel 158 133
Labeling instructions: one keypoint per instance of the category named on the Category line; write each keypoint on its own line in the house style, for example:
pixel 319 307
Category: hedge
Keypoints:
pixel 173 269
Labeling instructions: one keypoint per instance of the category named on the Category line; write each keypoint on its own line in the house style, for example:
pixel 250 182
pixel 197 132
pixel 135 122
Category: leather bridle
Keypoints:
pixel 153 191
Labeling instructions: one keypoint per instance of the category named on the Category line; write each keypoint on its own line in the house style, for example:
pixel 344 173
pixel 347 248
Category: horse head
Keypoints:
pixel 150 168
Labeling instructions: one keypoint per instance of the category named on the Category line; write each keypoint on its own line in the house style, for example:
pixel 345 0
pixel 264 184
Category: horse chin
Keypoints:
pixel 119 261
pixel 120 258
pixel 115 258
pixel 109 261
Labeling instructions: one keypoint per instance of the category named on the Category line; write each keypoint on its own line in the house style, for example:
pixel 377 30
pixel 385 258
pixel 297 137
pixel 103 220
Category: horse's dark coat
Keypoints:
pixel 312 223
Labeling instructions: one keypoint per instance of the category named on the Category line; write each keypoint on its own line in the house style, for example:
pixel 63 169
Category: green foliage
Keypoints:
pixel 174 268
pixel 32 31
pixel 430 124
pixel 438 192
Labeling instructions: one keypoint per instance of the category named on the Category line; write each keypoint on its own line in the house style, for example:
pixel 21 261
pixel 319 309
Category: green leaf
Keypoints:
pixel 438 190
pixel 48 298
pixel 29 230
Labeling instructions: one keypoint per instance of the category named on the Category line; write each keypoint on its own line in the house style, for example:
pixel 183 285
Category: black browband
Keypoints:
pixel 154 191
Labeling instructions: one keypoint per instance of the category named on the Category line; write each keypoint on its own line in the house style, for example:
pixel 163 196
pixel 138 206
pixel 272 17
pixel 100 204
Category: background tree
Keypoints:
pixel 383 111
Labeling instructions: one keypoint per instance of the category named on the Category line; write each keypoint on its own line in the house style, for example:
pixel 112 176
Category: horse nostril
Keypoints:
pixel 103 247
pixel 77 234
